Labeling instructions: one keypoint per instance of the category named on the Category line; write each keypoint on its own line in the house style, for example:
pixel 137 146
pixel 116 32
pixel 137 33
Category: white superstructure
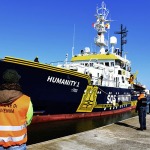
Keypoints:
pixel 108 67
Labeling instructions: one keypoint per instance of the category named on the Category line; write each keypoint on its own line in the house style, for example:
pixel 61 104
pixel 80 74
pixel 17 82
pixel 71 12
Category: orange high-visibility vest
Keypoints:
pixel 141 96
pixel 13 129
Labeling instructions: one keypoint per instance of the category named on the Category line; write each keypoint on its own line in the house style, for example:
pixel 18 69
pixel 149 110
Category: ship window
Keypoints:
pixel 129 69
pixel 117 62
pixel 106 63
pixel 122 79
pixel 119 72
pixel 91 64
pixel 112 63
pixel 101 63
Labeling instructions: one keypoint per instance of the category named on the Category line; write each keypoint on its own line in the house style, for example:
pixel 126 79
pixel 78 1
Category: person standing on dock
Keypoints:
pixel 141 109
pixel 16 113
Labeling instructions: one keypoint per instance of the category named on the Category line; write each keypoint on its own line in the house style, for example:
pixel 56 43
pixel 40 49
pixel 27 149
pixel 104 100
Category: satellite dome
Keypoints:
pixel 87 50
pixel 113 40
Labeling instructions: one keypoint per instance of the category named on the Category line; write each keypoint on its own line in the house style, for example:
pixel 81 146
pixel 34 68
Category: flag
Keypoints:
pixel 107 26
pixel 93 24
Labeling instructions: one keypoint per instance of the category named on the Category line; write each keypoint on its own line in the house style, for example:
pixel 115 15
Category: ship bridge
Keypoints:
pixel 95 57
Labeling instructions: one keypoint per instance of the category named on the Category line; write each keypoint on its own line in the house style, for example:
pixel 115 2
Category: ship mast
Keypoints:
pixel 101 25
pixel 123 34
pixel 73 41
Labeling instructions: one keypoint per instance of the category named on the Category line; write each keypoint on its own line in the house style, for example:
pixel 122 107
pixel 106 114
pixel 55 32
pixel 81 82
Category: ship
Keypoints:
pixel 92 84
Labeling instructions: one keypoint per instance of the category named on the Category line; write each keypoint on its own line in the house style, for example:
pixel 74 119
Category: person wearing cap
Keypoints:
pixel 141 109
pixel 16 112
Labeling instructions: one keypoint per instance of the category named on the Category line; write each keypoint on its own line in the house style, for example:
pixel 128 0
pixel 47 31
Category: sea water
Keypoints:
pixel 47 131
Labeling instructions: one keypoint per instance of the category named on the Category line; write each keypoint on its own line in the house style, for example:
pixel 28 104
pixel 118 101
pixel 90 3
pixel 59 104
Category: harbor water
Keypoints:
pixel 51 130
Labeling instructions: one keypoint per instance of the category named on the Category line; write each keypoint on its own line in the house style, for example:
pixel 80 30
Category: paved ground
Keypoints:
pixel 120 136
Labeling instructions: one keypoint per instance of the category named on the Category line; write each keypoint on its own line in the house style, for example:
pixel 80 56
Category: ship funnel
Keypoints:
pixel 113 42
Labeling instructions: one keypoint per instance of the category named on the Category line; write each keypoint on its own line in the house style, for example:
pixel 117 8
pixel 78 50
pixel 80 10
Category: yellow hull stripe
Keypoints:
pixel 87 106
pixel 110 105
pixel 132 103
pixel 45 66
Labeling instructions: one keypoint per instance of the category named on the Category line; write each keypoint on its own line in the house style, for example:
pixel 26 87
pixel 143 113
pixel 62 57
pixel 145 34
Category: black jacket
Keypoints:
pixel 141 103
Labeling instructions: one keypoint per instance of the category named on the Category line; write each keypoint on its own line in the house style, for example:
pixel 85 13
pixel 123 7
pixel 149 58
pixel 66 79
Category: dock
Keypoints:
pixel 121 135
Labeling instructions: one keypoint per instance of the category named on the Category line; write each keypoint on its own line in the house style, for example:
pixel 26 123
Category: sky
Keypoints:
pixel 45 28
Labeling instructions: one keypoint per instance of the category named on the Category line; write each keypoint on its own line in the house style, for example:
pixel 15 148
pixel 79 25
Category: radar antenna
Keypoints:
pixel 103 10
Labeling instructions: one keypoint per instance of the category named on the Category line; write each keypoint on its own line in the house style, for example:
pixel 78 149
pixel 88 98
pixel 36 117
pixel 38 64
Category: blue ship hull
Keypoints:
pixel 62 94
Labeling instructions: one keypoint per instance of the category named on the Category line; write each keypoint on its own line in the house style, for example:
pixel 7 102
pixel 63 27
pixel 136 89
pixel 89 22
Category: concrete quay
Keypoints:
pixel 118 136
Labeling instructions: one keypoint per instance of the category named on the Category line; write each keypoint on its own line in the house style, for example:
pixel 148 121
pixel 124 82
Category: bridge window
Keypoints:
pixel 91 64
pixel 117 63
pixel 112 63
pixel 122 79
pixel 106 63
pixel 119 72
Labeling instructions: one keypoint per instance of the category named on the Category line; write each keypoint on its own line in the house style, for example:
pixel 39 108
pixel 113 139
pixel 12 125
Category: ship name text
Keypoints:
pixel 63 81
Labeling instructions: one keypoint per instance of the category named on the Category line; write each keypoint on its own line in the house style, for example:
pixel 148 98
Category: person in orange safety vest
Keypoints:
pixel 16 112
pixel 141 108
